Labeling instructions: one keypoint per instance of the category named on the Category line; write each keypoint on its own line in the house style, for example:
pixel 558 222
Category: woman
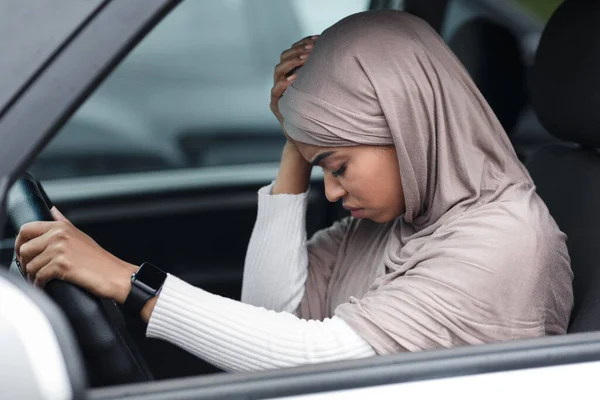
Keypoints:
pixel 448 243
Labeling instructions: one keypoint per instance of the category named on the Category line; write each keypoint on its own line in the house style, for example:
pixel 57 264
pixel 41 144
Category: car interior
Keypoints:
pixel 493 57
pixel 564 89
pixel 196 222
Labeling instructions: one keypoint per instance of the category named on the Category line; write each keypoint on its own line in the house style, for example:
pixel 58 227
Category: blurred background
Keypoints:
pixel 195 95
pixel 541 8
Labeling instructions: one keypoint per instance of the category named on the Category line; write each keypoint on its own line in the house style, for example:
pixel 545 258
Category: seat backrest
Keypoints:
pixel 493 56
pixel 565 93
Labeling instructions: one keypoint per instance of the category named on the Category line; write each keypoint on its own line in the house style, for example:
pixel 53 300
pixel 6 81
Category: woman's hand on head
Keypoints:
pixel 50 250
pixel 284 75
pixel 294 171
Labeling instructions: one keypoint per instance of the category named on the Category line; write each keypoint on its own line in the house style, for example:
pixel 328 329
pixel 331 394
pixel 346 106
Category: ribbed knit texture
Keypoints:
pixel 241 337
pixel 276 264
pixel 263 333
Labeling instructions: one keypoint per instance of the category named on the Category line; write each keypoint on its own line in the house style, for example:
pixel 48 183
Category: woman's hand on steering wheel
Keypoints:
pixel 56 249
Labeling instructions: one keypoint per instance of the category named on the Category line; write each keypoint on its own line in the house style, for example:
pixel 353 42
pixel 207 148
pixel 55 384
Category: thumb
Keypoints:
pixel 58 215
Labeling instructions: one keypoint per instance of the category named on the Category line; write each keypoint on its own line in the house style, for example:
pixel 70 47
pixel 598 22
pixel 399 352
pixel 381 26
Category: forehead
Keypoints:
pixel 310 151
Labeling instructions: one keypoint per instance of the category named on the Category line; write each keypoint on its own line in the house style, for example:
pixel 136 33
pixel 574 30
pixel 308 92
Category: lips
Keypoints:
pixel 356 212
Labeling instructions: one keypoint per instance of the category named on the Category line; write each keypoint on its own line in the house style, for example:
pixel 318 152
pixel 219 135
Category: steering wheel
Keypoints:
pixel 109 353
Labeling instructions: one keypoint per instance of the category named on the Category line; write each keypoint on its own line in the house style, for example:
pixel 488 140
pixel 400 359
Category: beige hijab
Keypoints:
pixel 476 257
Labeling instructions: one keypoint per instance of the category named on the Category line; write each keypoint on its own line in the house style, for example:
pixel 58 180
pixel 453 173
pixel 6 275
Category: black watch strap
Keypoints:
pixel 136 300
pixel 145 284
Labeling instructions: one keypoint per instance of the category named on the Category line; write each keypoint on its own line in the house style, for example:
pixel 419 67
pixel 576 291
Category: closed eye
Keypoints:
pixel 339 172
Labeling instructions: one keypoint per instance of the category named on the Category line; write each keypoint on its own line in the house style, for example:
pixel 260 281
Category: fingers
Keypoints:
pixel 284 74
pixel 306 40
pixel 280 87
pixel 283 69
pixel 44 258
pixel 45 275
pixel 33 267
pixel 31 249
pixel 277 92
pixel 293 57
pixel 58 216
pixel 32 230
pixel 297 51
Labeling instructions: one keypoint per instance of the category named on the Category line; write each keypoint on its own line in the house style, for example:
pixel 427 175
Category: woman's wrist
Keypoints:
pixel 122 287
pixel 294 172
pixel 122 281
pixel 148 308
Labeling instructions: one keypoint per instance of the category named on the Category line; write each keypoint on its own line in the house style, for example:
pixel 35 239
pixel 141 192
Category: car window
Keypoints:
pixel 194 93
pixel 457 13
pixel 504 11
pixel 542 9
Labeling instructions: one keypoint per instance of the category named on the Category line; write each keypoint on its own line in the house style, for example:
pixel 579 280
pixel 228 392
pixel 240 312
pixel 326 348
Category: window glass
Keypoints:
pixel 316 15
pixel 507 12
pixel 457 13
pixel 194 93
pixel 540 8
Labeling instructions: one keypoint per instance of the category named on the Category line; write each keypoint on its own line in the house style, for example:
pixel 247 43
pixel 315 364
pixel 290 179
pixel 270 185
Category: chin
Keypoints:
pixel 382 219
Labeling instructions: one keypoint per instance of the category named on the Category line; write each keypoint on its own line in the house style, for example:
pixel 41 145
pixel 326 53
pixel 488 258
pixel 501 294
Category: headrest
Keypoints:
pixel 565 87
pixel 492 55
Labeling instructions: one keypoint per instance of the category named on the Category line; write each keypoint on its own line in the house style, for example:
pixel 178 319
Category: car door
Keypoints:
pixel 163 161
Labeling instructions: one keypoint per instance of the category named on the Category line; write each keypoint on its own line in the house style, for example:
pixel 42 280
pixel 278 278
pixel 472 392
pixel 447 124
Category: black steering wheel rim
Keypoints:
pixel 110 354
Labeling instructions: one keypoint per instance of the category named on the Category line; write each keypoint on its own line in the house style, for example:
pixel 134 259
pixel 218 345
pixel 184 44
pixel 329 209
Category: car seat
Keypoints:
pixel 493 57
pixel 565 91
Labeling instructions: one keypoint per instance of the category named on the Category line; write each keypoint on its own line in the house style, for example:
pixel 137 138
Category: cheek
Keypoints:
pixel 393 179
pixel 377 184
pixel 365 187
pixel 394 192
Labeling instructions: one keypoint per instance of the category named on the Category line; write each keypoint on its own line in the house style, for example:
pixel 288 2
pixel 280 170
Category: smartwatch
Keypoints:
pixel 146 283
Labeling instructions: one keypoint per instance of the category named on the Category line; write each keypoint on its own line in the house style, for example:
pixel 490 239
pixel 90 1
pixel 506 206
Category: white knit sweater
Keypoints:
pixel 261 332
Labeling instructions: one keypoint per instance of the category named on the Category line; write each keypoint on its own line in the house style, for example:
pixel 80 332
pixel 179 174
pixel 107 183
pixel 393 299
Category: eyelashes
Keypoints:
pixel 339 172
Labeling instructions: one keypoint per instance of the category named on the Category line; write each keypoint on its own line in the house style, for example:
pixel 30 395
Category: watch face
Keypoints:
pixel 150 276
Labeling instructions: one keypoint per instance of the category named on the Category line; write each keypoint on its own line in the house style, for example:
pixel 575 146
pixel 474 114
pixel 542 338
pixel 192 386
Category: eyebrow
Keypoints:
pixel 321 157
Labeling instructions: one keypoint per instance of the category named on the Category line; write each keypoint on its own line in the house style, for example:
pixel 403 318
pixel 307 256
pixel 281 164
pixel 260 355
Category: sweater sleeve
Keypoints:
pixel 276 263
pixel 240 337
pixel 284 272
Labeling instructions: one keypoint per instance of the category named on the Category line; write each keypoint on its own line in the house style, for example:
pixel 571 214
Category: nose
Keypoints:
pixel 333 190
